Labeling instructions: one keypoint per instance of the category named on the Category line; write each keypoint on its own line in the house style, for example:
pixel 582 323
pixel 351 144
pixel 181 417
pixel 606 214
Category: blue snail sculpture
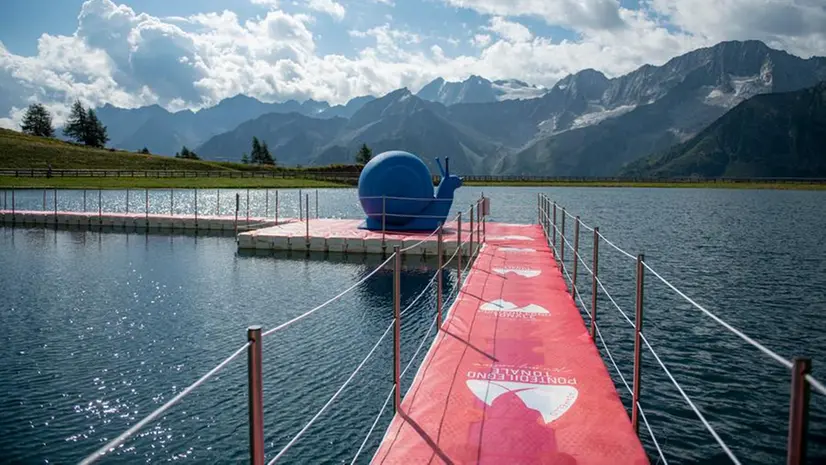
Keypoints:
pixel 400 185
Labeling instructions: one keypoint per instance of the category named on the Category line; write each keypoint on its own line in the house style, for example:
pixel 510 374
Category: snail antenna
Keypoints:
pixel 444 175
pixel 447 166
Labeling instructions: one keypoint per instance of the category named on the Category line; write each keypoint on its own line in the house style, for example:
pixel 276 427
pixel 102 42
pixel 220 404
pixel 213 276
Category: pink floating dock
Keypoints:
pixel 342 235
pixel 134 220
pixel 513 376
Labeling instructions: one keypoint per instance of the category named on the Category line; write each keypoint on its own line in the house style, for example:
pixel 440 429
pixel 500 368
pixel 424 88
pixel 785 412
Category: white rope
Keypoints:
pixel 819 387
pixel 425 289
pixel 651 432
pixel 375 422
pixel 333 398
pixel 421 344
pixel 333 299
pixel 610 357
pixel 734 330
pixel 428 237
pixel 616 248
pixel 111 445
pixel 691 404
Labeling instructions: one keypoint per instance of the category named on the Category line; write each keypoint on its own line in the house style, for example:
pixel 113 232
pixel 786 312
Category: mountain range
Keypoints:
pixel 771 135
pixel 585 125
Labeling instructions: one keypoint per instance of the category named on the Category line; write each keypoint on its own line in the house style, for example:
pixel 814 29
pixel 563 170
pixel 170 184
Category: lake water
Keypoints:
pixel 100 328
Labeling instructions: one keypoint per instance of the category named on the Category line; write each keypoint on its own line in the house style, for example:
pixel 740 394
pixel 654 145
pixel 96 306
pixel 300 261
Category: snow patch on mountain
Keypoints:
pixel 595 117
pixel 512 89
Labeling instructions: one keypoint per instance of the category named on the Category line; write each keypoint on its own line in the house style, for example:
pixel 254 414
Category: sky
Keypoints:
pixel 194 53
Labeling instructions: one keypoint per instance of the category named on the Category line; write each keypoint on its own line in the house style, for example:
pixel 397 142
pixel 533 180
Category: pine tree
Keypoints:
pixel 364 155
pixel 94 134
pixel 145 151
pixel 266 156
pixel 256 156
pixel 37 121
pixel 245 159
pixel 76 124
pixel 185 152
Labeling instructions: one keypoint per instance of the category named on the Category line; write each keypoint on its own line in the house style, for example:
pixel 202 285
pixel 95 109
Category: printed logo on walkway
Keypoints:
pixel 514 237
pixel 504 308
pixel 523 272
pixel 551 401
pixel 517 250
pixel 513 376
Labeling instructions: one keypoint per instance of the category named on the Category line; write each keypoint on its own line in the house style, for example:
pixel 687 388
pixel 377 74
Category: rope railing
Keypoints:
pixel 114 443
pixel 714 317
pixel 802 380
pixel 331 300
pixel 690 402
pixel 255 336
pixel 332 398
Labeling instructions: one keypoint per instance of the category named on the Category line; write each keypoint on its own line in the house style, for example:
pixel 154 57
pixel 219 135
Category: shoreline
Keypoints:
pixel 10 182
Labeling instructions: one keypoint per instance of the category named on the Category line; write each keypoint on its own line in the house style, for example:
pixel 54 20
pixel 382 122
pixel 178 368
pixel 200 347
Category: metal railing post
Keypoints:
pixel 635 419
pixel 397 389
pixel 12 206
pixel 217 202
pixel 237 206
pixel 307 224
pixel 576 255
pixel 256 395
pixel 594 277
pixel 316 203
pixel 459 251
pixel 554 228
pixel 383 221
pixel 266 204
pixel 196 208
pixel 248 207
pixel 146 206
pixel 300 207
pixel 100 206
pixel 276 206
pixel 440 253
pixel 55 206
pixel 470 254
pixel 562 239
pixel 799 411
pixel 127 201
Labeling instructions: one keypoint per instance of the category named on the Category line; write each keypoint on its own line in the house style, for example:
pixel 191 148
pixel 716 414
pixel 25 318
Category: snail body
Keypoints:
pixel 398 186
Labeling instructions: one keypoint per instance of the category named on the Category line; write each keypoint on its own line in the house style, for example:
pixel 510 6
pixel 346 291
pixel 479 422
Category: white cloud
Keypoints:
pixel 481 40
pixel 508 30
pixel 269 3
pixel 336 10
pixel 576 14
pixel 800 23
pixel 129 59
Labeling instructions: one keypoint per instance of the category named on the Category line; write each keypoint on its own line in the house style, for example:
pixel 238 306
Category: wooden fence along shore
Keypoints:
pixel 351 177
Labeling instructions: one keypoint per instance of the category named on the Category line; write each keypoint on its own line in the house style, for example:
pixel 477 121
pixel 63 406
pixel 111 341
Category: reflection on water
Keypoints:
pixel 101 327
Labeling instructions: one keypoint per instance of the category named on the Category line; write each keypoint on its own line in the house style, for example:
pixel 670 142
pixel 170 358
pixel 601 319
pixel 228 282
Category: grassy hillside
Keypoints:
pixel 18 150
pixel 21 151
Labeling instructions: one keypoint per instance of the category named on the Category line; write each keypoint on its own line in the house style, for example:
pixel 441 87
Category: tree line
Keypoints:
pixel 82 126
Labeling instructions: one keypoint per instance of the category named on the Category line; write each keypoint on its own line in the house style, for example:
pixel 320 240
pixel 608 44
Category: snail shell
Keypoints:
pixel 405 182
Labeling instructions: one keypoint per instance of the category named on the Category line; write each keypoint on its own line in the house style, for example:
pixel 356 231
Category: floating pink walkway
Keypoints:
pixel 513 376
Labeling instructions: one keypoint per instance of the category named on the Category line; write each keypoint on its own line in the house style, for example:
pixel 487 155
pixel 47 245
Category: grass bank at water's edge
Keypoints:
pixel 159 183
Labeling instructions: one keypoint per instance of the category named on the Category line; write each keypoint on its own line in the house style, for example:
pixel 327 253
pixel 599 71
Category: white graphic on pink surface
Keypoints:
pixel 551 401
pixel 517 249
pixel 500 305
pixel 524 272
pixel 512 237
